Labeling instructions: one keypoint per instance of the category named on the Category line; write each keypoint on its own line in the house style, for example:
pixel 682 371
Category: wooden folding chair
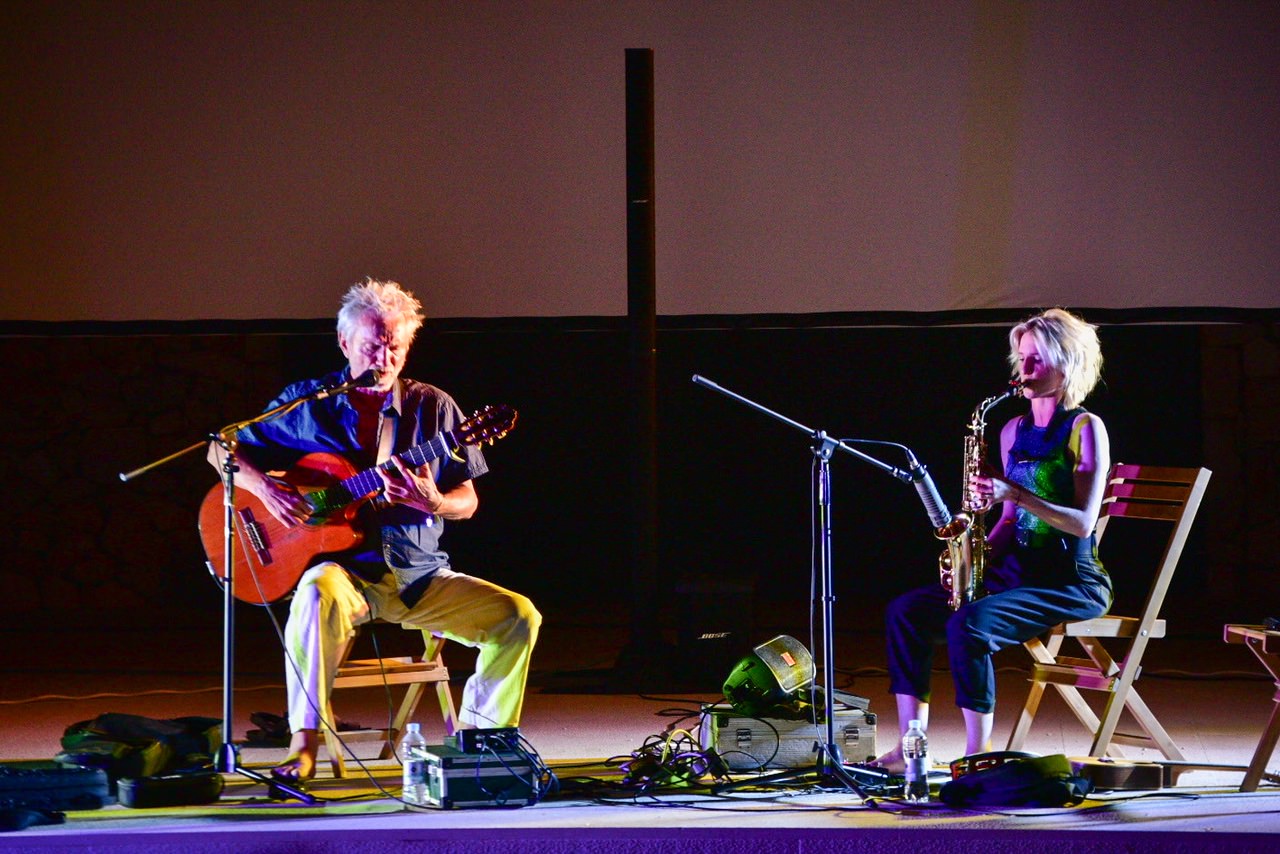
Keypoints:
pixel 1133 492
pixel 1265 644
pixel 413 673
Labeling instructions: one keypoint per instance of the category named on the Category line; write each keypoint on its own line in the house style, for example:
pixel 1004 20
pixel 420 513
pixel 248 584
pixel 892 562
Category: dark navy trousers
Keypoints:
pixel 1029 592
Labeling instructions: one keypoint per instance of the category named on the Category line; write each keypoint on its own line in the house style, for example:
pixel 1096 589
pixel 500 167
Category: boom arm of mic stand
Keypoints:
pixel 819 435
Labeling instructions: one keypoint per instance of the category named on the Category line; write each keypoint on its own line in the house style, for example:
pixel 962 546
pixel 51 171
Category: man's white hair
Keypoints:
pixel 397 307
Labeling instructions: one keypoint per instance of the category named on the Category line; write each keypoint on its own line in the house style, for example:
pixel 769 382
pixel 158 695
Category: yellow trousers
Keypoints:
pixel 330 603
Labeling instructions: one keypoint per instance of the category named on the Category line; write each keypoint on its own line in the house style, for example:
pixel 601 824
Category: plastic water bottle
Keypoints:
pixel 413 759
pixel 915 751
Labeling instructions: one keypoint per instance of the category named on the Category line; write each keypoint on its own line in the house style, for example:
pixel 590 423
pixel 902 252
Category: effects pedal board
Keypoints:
pixel 501 740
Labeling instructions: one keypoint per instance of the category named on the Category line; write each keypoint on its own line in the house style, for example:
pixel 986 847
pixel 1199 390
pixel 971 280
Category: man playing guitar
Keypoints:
pixel 390 565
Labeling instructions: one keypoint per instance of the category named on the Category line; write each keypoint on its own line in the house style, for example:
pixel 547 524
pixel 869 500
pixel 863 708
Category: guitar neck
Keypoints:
pixel 366 483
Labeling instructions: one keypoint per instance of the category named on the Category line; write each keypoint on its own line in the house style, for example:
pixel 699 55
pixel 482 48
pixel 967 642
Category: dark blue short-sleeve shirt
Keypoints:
pixel 399 539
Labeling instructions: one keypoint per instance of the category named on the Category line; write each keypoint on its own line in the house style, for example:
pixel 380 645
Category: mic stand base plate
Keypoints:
pixel 229 763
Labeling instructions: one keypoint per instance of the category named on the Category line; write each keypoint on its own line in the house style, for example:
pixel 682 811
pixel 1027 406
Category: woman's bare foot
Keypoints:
pixel 892 761
pixel 300 765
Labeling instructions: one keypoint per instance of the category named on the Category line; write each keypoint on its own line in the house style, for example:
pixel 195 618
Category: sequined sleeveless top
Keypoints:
pixel 1041 462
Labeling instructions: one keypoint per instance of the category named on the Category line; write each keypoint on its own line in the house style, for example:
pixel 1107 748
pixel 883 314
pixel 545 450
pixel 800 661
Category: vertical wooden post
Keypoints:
pixel 641 325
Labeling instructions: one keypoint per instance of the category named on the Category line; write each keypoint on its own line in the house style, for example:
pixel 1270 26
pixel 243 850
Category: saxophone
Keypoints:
pixel 962 565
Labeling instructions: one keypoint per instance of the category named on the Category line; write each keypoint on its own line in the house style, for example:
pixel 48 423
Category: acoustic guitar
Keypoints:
pixel 1122 775
pixel 270 557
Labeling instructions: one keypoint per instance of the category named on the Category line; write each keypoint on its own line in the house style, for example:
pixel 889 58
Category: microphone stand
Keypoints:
pixel 228 759
pixel 829 766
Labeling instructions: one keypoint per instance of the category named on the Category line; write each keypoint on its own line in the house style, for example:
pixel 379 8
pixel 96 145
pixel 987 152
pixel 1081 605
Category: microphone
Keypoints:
pixel 939 515
pixel 368 379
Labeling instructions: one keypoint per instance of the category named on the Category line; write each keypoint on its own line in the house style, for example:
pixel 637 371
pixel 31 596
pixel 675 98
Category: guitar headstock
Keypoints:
pixel 487 426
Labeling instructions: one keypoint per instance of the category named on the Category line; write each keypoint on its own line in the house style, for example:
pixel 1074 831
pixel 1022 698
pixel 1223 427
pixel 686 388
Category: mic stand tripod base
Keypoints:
pixel 829 771
pixel 229 763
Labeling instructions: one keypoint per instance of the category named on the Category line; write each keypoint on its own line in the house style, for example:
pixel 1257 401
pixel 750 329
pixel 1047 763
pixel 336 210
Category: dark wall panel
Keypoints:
pixel 733 484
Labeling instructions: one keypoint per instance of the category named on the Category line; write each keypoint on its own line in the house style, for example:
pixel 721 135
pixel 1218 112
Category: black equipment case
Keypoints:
pixel 45 785
pixel 490 778
pixel 182 788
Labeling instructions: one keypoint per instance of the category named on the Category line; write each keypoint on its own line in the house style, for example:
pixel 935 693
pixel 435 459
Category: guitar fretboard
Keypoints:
pixel 366 483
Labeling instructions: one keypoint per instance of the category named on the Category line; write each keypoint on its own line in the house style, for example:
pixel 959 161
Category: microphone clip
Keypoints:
pixel 915 472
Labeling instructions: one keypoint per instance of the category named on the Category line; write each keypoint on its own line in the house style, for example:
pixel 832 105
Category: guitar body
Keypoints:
pixel 269 556
pixel 1118 775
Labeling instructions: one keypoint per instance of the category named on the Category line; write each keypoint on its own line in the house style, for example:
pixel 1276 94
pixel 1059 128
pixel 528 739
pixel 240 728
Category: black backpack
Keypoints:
pixel 135 746
pixel 1032 781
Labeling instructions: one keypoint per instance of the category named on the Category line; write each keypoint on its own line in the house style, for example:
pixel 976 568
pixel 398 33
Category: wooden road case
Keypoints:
pixel 751 744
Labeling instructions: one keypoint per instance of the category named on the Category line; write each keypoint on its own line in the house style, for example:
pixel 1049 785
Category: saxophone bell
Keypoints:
pixel 958 525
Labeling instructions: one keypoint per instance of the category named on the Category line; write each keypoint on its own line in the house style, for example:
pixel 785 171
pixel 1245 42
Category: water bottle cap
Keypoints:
pixel 914 725
pixel 413 727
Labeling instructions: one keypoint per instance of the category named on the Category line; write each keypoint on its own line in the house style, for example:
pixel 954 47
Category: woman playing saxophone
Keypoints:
pixel 1042 566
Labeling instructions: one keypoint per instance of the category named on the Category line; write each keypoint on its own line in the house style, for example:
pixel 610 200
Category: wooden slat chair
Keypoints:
pixel 1265 644
pixel 414 673
pixel 1133 492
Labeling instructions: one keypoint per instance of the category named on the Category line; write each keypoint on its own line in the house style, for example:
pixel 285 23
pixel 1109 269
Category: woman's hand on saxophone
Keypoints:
pixel 987 489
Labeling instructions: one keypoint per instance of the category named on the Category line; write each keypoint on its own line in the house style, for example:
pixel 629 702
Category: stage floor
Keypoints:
pixel 582 724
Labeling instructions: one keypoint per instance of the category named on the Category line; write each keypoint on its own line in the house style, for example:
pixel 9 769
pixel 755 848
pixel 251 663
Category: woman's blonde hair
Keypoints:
pixel 1069 345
